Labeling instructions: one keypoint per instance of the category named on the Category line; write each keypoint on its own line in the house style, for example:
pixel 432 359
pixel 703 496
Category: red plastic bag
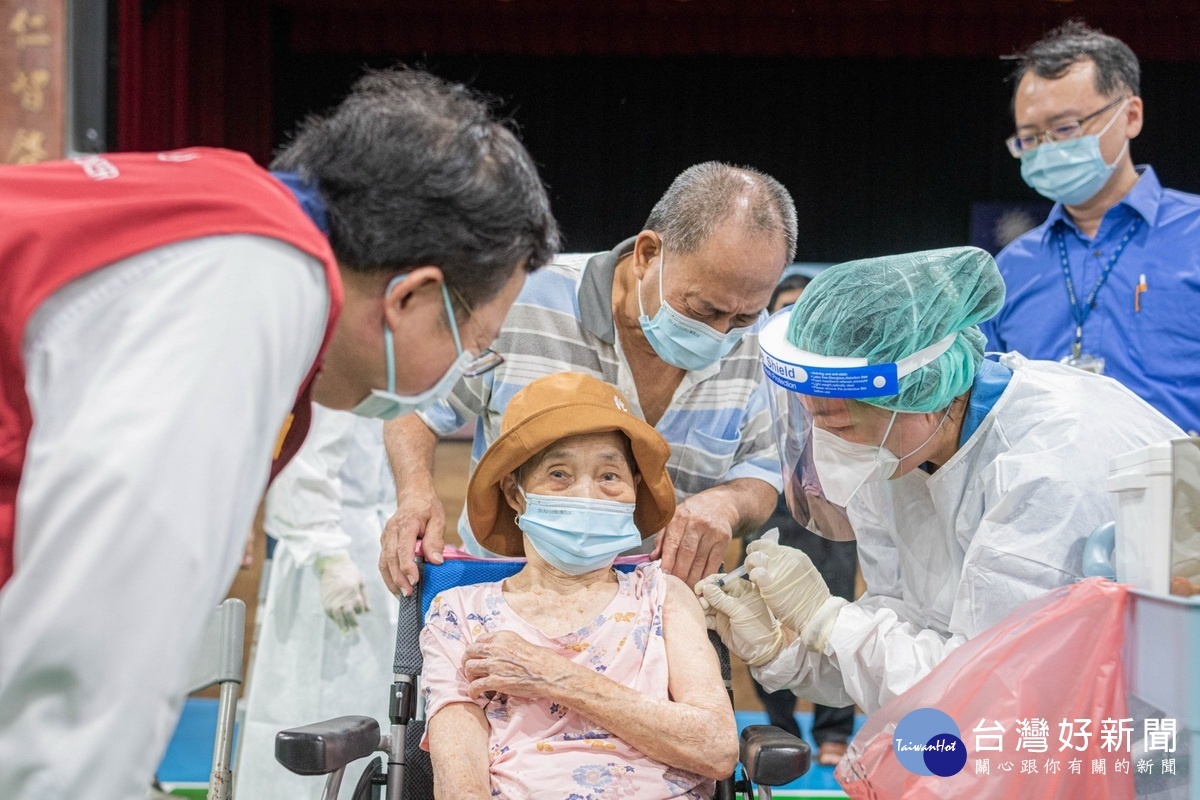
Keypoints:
pixel 1056 658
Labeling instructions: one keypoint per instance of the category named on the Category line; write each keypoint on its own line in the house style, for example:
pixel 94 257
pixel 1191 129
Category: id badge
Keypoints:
pixel 1086 362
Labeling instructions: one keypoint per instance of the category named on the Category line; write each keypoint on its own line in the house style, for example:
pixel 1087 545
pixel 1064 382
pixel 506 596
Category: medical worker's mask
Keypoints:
pixel 578 534
pixel 386 404
pixel 1072 171
pixel 682 341
pixel 843 467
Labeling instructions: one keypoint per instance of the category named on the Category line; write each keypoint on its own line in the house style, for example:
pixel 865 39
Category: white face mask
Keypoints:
pixel 843 467
pixel 680 340
pixel 385 403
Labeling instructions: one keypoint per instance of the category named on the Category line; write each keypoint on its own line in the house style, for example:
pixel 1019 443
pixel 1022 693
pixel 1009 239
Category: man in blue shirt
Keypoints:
pixel 1111 280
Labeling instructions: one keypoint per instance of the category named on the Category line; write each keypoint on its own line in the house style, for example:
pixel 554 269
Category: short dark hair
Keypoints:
pixel 1051 56
pixel 416 171
pixel 704 195
pixel 789 284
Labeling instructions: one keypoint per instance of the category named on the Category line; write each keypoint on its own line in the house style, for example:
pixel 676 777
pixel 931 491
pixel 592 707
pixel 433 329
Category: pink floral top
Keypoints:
pixel 542 749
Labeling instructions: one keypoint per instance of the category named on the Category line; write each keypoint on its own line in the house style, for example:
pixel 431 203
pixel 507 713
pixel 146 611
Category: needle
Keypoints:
pixel 740 572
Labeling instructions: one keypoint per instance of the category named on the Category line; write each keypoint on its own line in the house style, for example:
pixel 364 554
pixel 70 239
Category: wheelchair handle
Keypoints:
pixel 408 649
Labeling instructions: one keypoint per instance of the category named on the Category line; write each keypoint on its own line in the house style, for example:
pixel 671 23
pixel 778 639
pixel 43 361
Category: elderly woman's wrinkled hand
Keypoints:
pixel 504 663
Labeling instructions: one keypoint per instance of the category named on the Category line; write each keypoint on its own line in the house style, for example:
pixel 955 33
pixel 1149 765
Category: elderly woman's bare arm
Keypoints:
pixel 458 748
pixel 694 730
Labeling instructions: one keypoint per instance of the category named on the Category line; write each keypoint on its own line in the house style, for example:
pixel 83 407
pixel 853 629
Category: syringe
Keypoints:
pixel 740 572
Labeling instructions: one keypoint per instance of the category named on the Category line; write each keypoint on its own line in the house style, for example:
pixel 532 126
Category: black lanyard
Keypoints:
pixel 1081 312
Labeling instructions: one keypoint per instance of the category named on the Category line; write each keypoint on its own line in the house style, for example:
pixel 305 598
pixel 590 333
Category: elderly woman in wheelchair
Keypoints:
pixel 571 679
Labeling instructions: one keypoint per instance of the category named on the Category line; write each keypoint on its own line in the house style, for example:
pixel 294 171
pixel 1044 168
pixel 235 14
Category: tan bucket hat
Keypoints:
pixel 552 408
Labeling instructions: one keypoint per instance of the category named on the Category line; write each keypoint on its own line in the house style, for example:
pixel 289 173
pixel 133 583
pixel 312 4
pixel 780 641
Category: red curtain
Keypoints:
pixel 1157 29
pixel 194 73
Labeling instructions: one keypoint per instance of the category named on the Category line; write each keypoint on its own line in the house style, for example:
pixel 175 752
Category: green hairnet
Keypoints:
pixel 890 307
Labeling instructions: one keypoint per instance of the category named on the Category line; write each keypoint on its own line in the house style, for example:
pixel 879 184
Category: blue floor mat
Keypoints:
pixel 189 756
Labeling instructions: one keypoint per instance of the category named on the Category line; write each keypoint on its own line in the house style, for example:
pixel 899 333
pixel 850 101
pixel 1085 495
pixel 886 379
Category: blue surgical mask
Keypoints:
pixel 1070 172
pixel 682 341
pixel 578 534
pixel 381 404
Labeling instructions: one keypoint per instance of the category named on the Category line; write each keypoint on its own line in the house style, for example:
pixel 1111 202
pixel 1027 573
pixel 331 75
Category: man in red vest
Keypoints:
pixel 163 317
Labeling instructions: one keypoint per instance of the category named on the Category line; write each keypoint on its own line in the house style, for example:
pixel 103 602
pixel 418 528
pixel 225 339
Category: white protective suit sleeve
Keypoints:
pixel 159 385
pixel 947 555
pixel 303 509
pixel 875 650
pixel 881 653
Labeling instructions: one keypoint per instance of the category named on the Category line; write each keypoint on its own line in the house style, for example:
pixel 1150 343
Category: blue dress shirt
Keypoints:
pixel 1154 351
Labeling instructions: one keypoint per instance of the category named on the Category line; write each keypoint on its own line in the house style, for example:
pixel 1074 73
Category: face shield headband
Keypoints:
pixel 833 376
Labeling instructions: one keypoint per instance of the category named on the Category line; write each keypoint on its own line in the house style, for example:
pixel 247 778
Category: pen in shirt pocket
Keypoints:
pixel 1137 293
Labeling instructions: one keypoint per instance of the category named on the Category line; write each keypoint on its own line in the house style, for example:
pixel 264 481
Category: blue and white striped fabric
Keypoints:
pixel 718 423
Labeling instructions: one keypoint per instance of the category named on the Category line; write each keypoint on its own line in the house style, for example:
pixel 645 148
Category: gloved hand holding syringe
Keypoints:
pixel 740 572
pixel 743 570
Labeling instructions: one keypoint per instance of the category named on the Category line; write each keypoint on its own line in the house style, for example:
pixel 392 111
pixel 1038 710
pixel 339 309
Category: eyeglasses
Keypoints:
pixel 1019 144
pixel 487 359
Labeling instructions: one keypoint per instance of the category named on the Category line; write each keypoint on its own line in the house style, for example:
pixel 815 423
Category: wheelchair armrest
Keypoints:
pixel 772 757
pixel 325 747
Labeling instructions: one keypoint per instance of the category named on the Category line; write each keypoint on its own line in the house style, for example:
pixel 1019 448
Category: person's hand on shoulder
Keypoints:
pixel 694 542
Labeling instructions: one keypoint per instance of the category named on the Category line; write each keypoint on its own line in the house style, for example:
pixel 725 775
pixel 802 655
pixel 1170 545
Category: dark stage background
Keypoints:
pixel 880 155
pixel 873 113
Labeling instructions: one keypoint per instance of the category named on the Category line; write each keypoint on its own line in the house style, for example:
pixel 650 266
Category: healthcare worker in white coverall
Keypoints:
pixel 969 484
pixel 329 622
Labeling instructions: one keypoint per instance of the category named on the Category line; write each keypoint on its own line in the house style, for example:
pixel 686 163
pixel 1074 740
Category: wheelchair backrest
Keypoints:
pixel 469 571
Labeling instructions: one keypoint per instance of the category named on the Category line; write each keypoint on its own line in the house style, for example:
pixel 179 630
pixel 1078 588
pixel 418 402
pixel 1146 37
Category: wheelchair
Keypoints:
pixel 769 756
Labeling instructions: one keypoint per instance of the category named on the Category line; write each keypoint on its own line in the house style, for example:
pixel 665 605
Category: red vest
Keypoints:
pixel 63 219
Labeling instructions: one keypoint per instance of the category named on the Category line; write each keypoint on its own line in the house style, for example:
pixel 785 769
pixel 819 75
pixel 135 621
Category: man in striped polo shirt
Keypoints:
pixel 670 317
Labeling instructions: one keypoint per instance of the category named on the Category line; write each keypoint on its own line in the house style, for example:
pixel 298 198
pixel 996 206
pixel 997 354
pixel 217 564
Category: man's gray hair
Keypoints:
pixel 1051 56
pixel 705 195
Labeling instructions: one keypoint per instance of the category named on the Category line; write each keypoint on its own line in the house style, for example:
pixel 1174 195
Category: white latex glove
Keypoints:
pixel 740 617
pixel 342 591
pixel 793 590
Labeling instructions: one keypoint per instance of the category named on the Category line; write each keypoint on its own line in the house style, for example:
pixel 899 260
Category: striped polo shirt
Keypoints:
pixel 718 423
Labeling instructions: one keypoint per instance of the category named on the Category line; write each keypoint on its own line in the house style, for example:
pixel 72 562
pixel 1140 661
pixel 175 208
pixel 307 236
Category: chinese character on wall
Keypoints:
pixel 28 147
pixel 30 87
pixel 32 59
pixel 29 29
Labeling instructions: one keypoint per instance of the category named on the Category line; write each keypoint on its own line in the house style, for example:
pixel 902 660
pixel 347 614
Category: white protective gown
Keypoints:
pixel 335 495
pixel 158 387
pixel 946 555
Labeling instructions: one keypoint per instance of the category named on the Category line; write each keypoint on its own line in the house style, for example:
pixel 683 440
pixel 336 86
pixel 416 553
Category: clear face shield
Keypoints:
pixel 829 444
pixel 801 485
